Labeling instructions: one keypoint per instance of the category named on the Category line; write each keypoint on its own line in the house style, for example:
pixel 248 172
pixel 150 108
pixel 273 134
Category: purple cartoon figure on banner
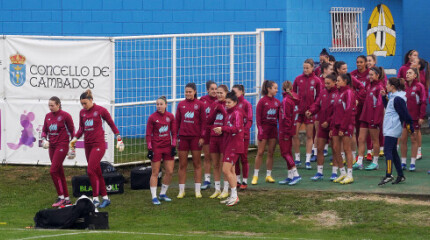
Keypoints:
pixel 27 134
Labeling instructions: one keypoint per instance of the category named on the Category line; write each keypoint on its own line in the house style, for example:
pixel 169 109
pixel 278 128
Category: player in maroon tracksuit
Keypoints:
pixel 207 101
pixel 91 125
pixel 372 117
pixel 342 126
pixel 58 129
pixel 191 124
pixel 232 131
pixel 416 103
pixel 216 119
pixel 246 107
pixel 324 108
pixel 161 141
pixel 287 129
pixel 410 57
pixel 267 126
pixel 307 86
pixel 324 58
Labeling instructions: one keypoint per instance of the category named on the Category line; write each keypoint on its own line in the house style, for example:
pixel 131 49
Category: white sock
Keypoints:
pixel 413 160
pixel 238 178
pixel 360 160
pixel 297 157
pixel 375 159
pixel 354 155
pixel 295 172
pixel 67 198
pixel 153 192
pixel 290 174
pixel 342 171
pixel 326 147
pixel 268 173
pixel 343 155
pixel 320 169
pixel 349 174
pixel 181 188
pixel 207 177
pixel 381 148
pixel 226 185
pixel 164 189
pixel 314 149
pixel 334 169
pixel 256 172
pixel 245 180
pixel 404 160
pixel 197 187
pixel 233 193
pixel 105 197
pixel 96 199
pixel 217 185
pixel 61 197
pixel 397 148
pixel 419 150
pixel 308 157
pixel 370 151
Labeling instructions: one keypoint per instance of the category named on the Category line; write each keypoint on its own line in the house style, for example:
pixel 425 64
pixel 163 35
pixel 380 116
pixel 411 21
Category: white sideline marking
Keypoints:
pixel 139 233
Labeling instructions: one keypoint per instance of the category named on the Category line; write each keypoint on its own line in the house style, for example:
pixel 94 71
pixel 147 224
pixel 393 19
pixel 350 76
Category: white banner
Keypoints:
pixel 40 68
pixel 22 128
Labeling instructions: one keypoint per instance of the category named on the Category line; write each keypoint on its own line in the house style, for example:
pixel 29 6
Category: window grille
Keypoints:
pixel 346 29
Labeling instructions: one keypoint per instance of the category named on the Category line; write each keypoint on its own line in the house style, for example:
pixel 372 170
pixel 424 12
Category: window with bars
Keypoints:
pixel 346 29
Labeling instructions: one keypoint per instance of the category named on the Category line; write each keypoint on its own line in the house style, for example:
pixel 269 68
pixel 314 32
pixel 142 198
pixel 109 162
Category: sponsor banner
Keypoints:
pixel 22 129
pixel 39 68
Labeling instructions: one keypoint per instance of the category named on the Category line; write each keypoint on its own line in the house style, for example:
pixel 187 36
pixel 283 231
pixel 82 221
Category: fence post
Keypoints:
pixel 231 61
pixel 257 78
pixel 174 75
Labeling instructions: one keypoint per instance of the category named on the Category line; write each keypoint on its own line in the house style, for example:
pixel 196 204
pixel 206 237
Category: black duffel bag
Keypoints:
pixel 140 176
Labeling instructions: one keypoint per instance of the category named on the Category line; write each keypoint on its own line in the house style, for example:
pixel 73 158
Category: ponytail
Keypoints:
pixel 240 87
pixel 409 53
pixel 379 71
pixel 397 83
pixel 347 77
pixel 163 98
pixel 266 85
pixel 87 95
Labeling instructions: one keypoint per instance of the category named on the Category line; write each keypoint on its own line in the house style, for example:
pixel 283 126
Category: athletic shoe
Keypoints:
pixel 164 197
pixel 225 201
pixel 269 179
pixel 419 156
pixel 386 180
pixel 333 177
pixel 205 185
pixel 243 186
pixel 372 166
pixel 298 163
pixel 404 166
pixel 339 179
pixel 198 195
pixel 238 185
pixel 181 195
pixel 254 180
pixel 369 157
pixel 357 166
pixel 381 153
pixel 308 165
pixel 215 194
pixel 96 203
pixel 325 153
pixel 155 201
pixel 58 202
pixel 412 168
pixel 428 172
pixel 347 180
pixel 223 195
pixel 295 181
pixel 105 203
pixel 232 201
pixel 317 177
pixel 285 181
pixel 399 179
pixel 314 158
pixel 66 203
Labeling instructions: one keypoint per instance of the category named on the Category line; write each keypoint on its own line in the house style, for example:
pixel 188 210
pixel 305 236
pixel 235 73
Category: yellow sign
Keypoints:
pixel 381 32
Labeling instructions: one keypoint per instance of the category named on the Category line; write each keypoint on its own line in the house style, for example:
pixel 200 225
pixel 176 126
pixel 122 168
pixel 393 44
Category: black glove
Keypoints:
pixel 173 153
pixel 150 154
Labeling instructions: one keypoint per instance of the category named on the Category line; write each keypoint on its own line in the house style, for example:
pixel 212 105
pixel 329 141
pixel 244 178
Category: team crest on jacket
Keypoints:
pixel 240 105
pixel 276 104
pixel 167 119
pixel 196 106
pixel 59 118
pixel 312 81
pixel 95 113
pixel 414 88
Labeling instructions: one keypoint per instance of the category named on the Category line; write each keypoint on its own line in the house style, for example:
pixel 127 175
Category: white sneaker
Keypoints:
pixel 225 201
pixel 232 201
pixel 419 156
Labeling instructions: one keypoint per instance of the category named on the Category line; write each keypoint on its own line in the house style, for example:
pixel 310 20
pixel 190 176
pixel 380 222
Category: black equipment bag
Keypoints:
pixel 107 167
pixel 140 176
pixel 64 218
pixel 82 185
pixel 94 220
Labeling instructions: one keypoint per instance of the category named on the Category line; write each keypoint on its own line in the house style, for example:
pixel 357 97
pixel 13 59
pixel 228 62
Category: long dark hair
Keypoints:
pixel 410 52
pixel 56 100
pixel 380 71
pixel 266 85
pixel 193 86
pixel 347 78
pixel 397 83
pixel 231 95
pixel 240 87
pixel 424 65
pixel 338 65
pixel 324 66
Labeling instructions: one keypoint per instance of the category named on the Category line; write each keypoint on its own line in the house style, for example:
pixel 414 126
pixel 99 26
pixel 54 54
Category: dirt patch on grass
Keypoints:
pixel 328 219
pixel 387 199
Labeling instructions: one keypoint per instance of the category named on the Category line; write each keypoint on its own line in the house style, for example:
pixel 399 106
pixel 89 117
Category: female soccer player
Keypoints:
pixel 267 125
pixel 233 144
pixel 161 141
pixel 287 129
pixel 207 102
pixel 324 108
pixel 91 125
pixel 396 114
pixel 246 107
pixel 416 103
pixel 362 72
pixel 215 119
pixel 342 126
pixel 58 129
pixel 410 57
pixel 371 118
pixel 308 87
pixel 324 58
pixel 191 127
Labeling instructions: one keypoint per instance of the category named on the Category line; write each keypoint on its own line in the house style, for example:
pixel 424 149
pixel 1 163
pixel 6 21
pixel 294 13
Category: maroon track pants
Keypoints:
pixel 57 154
pixel 94 153
pixel 243 161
